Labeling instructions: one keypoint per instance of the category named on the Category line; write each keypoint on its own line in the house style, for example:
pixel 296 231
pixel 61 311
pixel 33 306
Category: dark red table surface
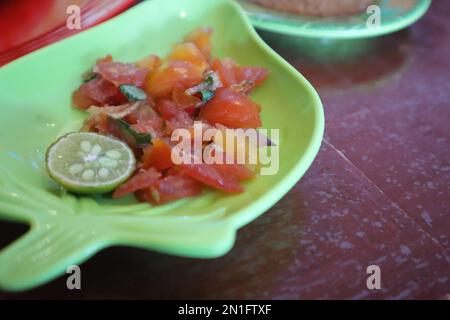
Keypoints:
pixel 378 193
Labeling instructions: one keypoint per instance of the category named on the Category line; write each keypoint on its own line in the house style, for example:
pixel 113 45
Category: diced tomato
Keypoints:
pixel 122 73
pixel 228 71
pixel 90 124
pixel 231 74
pixel 158 155
pixel 227 168
pixel 201 37
pixel 174 116
pixel 157 179
pixel 254 74
pixel 179 122
pixel 238 171
pixel 185 101
pixel 150 101
pixel 141 180
pixel 169 189
pixel 81 100
pixel 151 63
pixel 107 58
pixel 97 92
pixel 174 170
pixel 232 109
pixel 100 90
pixel 146 120
pixel 211 176
pixel 188 52
pixel 107 125
pixel 179 74
pixel 167 108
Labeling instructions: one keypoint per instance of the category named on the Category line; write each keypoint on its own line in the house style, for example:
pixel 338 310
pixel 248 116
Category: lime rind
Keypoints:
pixel 89 163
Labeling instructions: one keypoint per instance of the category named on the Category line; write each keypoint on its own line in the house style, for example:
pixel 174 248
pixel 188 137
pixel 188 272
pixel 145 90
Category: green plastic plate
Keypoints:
pixel 395 15
pixel 36 109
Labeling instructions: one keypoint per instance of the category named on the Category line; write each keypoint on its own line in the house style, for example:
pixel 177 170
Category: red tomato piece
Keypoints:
pixel 238 171
pixel 174 116
pixel 168 109
pixel 185 101
pixel 97 92
pixel 141 180
pixel 81 100
pixel 151 63
pixel 231 74
pixel 188 52
pixel 201 37
pixel 174 170
pixel 170 188
pixel 146 120
pixel 178 123
pixel 254 74
pixel 158 155
pixel 179 74
pixel 107 58
pixel 231 109
pixel 107 125
pixel 122 73
pixel 228 71
pixel 210 176
pixel 100 90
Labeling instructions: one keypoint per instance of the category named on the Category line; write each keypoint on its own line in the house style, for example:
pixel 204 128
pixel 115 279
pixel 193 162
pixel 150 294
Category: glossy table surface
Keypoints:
pixel 378 192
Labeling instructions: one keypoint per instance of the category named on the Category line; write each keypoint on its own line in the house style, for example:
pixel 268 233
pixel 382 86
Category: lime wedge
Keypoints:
pixel 85 162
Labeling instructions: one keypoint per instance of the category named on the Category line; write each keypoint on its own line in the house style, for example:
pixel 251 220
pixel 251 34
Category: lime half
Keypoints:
pixel 85 162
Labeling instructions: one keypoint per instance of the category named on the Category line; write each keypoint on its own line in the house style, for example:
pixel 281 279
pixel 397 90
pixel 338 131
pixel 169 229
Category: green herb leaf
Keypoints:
pixel 142 139
pixel 207 95
pixel 209 80
pixel 88 76
pixel 133 93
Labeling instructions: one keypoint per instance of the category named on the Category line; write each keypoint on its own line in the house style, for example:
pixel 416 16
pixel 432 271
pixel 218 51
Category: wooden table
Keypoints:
pixel 378 193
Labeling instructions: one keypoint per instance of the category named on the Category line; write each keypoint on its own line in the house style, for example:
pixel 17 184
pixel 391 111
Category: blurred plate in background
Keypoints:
pixel 395 15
